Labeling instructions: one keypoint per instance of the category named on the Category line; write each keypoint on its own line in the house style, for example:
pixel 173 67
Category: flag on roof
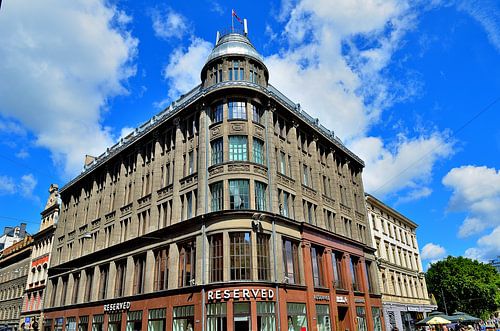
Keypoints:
pixel 233 13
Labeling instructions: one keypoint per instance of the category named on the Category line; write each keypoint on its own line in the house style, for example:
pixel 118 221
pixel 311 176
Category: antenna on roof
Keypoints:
pixel 217 38
pixel 245 26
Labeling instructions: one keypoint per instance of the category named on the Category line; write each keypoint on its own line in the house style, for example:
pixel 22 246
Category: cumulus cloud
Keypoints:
pixel 432 252
pixel 476 190
pixel 168 23
pixel 24 186
pixel 7 185
pixel 61 62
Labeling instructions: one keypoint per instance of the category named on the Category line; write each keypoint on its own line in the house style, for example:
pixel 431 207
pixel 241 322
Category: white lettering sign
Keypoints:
pixel 341 299
pixel 244 294
pixel 118 306
pixel 322 297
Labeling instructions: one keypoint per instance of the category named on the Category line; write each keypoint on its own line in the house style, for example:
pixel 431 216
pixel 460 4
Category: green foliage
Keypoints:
pixel 467 285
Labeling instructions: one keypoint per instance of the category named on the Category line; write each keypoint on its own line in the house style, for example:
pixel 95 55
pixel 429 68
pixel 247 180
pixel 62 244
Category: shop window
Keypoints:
pixel 97 322
pixel 134 320
pixel 217 200
pixel 361 319
pixel 216 316
pixel 187 260
pixel 58 326
pixel 183 318
pixel 266 318
pixel 70 324
pixel 121 271
pixel 338 270
pixel 83 323
pixel 317 266
pixel 296 316
pixel 263 261
pixel 238 150
pixel 241 316
pixel 237 110
pixel 161 269
pixel 139 274
pixel 260 195
pixel 291 261
pixel 216 113
pixel 217 151
pixel 258 151
pixel 216 258
pixel 238 194
pixel 240 251
pixel 323 318
pixel 156 321
pixel 114 321
pixel 47 324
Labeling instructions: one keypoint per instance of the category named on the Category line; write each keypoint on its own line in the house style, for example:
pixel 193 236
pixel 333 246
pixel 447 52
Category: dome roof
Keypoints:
pixel 234 44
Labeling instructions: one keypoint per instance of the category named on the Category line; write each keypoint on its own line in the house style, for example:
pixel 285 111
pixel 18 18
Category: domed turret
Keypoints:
pixel 234 58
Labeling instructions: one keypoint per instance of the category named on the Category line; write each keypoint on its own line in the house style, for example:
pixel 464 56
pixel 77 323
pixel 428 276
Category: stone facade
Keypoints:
pixel 232 209
pixel 404 291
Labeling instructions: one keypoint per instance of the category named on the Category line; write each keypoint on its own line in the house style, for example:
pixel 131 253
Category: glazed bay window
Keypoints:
pixel 157 319
pixel 237 110
pixel 240 253
pixel 183 318
pixel 216 113
pixel 291 261
pixel 139 274
pixel 187 260
pixel 296 316
pixel 161 269
pixel 260 195
pixel 121 271
pixel 238 148
pixel 239 194
pixel 266 318
pixel 263 257
pixel 317 266
pixel 217 151
pixel 216 257
pixel 217 196
pixel 258 151
pixel 216 316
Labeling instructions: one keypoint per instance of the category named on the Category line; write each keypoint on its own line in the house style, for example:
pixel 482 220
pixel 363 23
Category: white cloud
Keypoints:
pixel 22 154
pixel 476 191
pixel 168 23
pixel 433 252
pixel 125 131
pixel 183 69
pixel 487 14
pixel 7 185
pixel 216 7
pixel 11 127
pixel 23 186
pixel 63 60
pixel 27 185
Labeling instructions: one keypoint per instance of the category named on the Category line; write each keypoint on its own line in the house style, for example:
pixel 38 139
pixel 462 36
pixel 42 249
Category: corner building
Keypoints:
pixel 230 210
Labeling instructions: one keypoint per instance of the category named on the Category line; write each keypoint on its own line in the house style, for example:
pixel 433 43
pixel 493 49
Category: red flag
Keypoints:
pixel 234 14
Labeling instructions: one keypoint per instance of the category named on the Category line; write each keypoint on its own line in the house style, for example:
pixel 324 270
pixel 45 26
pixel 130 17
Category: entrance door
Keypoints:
pixel 241 323
pixel 343 316
pixel 241 316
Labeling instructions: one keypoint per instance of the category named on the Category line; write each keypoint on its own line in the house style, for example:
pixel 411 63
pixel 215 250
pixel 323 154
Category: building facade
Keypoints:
pixel 230 210
pixel 14 267
pixel 12 235
pixel 34 292
pixel 403 287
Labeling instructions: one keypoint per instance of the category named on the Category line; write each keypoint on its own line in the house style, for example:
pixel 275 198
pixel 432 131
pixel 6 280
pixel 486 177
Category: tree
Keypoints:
pixel 465 285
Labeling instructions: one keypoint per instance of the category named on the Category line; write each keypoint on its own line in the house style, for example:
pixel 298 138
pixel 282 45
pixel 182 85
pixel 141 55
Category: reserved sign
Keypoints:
pixel 245 294
pixel 119 306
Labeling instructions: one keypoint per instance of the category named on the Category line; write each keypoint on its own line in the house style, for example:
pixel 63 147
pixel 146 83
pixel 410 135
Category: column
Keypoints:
pixel 202 160
pixel 149 272
pixel 110 291
pixel 178 171
pixel 296 171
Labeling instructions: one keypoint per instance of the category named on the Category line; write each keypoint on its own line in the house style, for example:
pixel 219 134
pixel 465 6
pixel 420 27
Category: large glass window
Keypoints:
pixel 263 262
pixel 161 269
pixel 241 315
pixel 83 323
pixel 183 319
pixel 291 261
pixel 217 151
pixel 323 318
pixel 121 271
pixel 216 258
pixel 216 114
pixel 89 277
pixel 260 195
pixel 296 315
pixel 238 194
pixel 103 281
pixel 139 274
pixel 317 266
pixel 156 320
pixel 240 251
pixel 237 110
pixel 114 322
pixel 216 316
pixel 97 322
pixel 361 319
pixel 217 203
pixel 71 324
pixel 266 318
pixel 258 151
pixel 337 270
pixel 238 150
pixel 236 71
pixel 134 320
pixel 187 260
pixel 356 284
pixel 58 326
pixel 377 321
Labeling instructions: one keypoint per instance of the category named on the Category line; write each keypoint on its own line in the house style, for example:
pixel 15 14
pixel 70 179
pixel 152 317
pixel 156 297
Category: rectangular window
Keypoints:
pixel 103 281
pixel 337 270
pixel 266 318
pixel 263 260
pixel 242 316
pixel 83 323
pixel 216 316
pixel 64 290
pixel 121 271
pixel 256 113
pixel 356 284
pixel 237 110
pixel 216 258
pixel 291 261
pixel 260 196
pixel 114 322
pixel 161 269
pixel 239 194
pixel 216 113
pixel 317 266
pixel 89 278
pixel 70 324
pixel 369 278
pixel 76 287
pixel 282 163
pixel 258 151
pixel 191 166
pixel 134 320
pixel 361 319
pixel 377 320
pixel 216 190
pixel 187 260
pixel 58 326
pixel 296 316
pixel 323 318
pixel 156 320
pixel 286 204
pixel 97 322
pixel 217 151
pixel 240 253
pixel 139 274
pixel 183 318
pixel 238 148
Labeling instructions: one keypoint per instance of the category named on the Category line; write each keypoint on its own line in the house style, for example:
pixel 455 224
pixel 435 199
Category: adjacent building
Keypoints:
pixel 14 268
pixel 34 292
pixel 12 235
pixel 232 209
pixel 403 287
pixel 496 263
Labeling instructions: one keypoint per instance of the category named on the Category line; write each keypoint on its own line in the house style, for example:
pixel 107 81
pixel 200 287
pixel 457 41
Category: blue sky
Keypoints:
pixel 412 87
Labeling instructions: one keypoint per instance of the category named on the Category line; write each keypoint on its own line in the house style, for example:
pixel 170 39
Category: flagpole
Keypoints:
pixel 232 20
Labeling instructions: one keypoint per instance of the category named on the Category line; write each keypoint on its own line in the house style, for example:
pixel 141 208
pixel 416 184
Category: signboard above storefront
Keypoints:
pixel 116 307
pixel 241 294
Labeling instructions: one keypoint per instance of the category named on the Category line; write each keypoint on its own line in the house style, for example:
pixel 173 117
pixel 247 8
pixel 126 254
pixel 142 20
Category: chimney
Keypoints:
pixel 22 230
